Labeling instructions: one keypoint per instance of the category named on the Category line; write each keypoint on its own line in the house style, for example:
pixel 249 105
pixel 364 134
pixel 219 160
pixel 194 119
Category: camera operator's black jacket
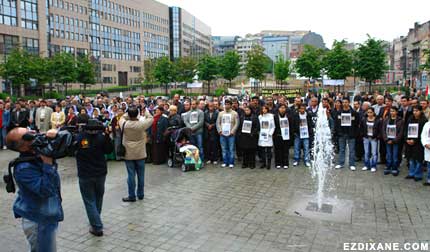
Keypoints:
pixel 90 158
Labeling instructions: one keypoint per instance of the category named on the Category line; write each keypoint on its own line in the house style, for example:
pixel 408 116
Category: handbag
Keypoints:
pixel 121 148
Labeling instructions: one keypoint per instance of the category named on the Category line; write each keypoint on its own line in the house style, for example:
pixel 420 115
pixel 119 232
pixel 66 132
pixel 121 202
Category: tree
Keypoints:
pixel 185 68
pixel 282 69
pixel 164 71
pixel 338 61
pixel 64 68
pixel 257 63
pixel 371 60
pixel 229 66
pixel 309 64
pixel 426 65
pixel 208 69
pixel 148 75
pixel 86 73
pixel 17 69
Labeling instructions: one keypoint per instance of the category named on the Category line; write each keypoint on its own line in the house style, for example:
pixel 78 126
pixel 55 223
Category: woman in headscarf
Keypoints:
pixel 159 143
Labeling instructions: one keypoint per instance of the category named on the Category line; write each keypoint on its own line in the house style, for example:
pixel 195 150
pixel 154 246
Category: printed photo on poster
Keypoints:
pixel 265 124
pixel 370 129
pixel 304 132
pixel 226 119
pixel 285 133
pixel 345 119
pixel 391 131
pixel 247 126
pixel 303 122
pixel 413 130
pixel 194 117
pixel 283 122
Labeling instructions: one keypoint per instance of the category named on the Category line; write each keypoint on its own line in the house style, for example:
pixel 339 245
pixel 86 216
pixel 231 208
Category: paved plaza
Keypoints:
pixel 219 209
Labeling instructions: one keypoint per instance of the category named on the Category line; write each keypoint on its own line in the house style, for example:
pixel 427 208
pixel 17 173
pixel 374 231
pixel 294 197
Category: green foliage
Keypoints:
pixel 220 91
pixel 229 65
pixel 426 65
pixel 64 68
pixel 18 68
pixel 309 64
pixel 282 69
pixel 85 71
pixel 338 61
pixel 208 69
pixel 370 62
pixel 164 70
pixel 257 63
pixel 177 91
pixel 52 95
pixel 185 68
pixel 149 68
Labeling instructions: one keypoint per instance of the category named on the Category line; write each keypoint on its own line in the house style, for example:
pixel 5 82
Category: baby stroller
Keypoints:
pixel 181 152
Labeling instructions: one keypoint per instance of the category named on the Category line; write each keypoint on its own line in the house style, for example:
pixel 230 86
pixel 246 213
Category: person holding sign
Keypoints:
pixel 301 129
pixel 370 131
pixel 194 119
pixel 248 137
pixel 265 140
pixel 392 134
pixel 414 150
pixel 227 124
pixel 346 129
pixel 282 137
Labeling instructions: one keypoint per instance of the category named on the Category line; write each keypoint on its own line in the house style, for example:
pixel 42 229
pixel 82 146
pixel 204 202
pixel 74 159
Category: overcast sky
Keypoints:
pixel 333 19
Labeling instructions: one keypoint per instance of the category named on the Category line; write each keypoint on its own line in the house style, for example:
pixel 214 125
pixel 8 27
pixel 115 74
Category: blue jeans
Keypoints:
pixel 40 237
pixel 297 145
pixel 428 172
pixel 135 167
pixel 197 140
pixel 92 191
pixel 343 141
pixel 392 156
pixel 415 169
pixel 227 147
pixel 370 152
pixel 3 133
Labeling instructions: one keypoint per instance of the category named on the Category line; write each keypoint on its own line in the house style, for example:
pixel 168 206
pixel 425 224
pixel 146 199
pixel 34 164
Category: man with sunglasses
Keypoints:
pixel 38 201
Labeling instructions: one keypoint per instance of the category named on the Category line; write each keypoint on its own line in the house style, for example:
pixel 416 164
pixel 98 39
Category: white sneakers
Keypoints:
pixel 295 163
pixel 4 148
pixel 338 167
pixel 223 165
pixel 308 164
pixel 285 166
pixel 208 162
pixel 373 169
pixel 278 167
pixel 352 168
pixel 231 166
pixel 364 168
pixel 215 162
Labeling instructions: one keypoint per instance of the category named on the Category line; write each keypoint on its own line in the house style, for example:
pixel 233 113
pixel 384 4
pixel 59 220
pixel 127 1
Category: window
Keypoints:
pixel 7 44
pixel 30 45
pixel 8 14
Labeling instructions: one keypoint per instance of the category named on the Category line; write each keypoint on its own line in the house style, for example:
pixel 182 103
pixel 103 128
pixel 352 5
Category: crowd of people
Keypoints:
pixel 383 129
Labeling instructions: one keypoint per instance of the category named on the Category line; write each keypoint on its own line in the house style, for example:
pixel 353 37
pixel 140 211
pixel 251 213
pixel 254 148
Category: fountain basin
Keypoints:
pixel 332 209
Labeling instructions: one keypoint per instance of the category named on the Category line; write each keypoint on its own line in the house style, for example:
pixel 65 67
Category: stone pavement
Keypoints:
pixel 219 209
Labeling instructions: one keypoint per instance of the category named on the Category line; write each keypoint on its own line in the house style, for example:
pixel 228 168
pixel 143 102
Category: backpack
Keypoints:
pixel 8 178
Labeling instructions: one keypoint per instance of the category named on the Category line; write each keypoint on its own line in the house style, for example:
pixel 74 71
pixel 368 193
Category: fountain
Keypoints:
pixel 322 153
pixel 318 206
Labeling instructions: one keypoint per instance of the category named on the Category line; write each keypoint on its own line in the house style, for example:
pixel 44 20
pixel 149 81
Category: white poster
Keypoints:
pixel 264 125
pixel 391 131
pixel 304 132
pixel 370 129
pixel 226 124
pixel 345 119
pixel 413 130
pixel 264 135
pixel 247 126
pixel 285 128
pixel 194 116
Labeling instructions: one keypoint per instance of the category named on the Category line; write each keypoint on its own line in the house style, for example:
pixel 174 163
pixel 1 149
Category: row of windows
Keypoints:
pixel 116 55
pixel 119 9
pixel 149 16
pixel 152 54
pixel 7 44
pixel 31 45
pixel 155 27
pixel 110 80
pixel 8 12
pixel 68 35
pixel 68 6
pixel 115 18
pixel 156 37
pixel 109 67
pixel 151 45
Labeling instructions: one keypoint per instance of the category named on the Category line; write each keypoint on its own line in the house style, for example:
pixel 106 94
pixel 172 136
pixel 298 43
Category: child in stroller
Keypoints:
pixel 181 152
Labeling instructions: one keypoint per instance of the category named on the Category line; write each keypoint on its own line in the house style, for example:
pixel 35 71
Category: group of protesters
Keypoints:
pixel 377 128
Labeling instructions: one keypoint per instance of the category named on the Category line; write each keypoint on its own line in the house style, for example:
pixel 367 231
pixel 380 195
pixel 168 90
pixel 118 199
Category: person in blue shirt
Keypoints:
pixel 38 202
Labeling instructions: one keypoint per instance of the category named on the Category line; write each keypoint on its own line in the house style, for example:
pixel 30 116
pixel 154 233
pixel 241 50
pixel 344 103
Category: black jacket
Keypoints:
pixel 249 141
pixel 349 131
pixel 415 151
pixel 296 124
pixel 399 130
pixel 277 133
pixel 175 121
pixel 90 157
pixel 22 120
pixel 376 128
pixel 210 134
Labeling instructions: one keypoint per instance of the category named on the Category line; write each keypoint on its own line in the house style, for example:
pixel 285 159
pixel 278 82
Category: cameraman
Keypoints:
pixel 134 140
pixel 93 144
pixel 38 202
